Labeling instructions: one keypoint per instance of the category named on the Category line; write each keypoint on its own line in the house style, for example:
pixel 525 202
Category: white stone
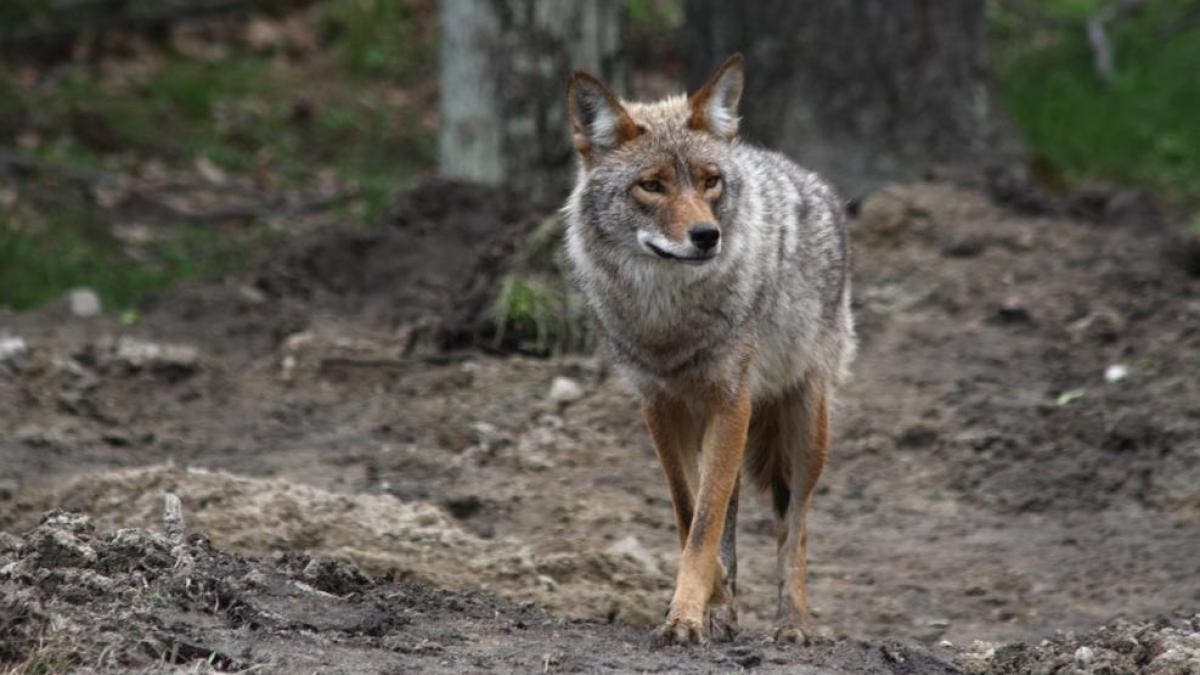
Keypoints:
pixel 1115 373
pixel 84 302
pixel 1084 656
pixel 142 353
pixel 565 390
pixel 12 348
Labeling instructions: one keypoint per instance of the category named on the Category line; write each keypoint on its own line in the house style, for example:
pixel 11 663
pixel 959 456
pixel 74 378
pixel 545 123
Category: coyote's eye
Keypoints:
pixel 712 182
pixel 652 186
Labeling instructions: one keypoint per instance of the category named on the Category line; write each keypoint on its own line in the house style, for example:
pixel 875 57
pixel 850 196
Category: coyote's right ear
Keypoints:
pixel 598 120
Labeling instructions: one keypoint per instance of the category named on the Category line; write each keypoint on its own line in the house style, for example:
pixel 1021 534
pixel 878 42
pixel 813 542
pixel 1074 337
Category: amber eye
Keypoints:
pixel 655 186
pixel 712 182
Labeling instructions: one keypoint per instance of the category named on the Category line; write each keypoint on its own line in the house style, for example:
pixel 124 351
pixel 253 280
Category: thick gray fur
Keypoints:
pixel 776 297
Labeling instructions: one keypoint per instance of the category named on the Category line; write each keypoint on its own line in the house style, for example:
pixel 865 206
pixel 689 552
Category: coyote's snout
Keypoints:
pixel 719 274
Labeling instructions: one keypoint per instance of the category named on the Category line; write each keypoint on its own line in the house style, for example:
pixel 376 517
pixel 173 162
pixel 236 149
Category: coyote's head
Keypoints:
pixel 658 177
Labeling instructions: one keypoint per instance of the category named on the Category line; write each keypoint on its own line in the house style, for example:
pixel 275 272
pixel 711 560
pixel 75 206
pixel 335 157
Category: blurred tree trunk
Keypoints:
pixel 864 91
pixel 505 65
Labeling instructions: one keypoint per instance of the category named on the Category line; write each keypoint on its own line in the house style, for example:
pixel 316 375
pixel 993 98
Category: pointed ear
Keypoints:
pixel 714 106
pixel 598 120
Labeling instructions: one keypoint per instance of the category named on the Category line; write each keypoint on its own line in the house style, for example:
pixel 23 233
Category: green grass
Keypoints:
pixel 1141 128
pixel 248 113
pixel 64 254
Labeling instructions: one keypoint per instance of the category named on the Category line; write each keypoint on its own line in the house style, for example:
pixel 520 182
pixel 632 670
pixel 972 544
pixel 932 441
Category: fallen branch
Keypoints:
pixel 1102 52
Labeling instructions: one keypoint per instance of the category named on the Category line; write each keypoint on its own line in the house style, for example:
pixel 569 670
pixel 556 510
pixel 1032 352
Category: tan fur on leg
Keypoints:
pixel 809 450
pixel 676 436
pixel 723 446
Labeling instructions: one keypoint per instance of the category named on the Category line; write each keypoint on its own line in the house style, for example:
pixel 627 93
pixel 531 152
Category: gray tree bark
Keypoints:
pixel 863 91
pixel 505 65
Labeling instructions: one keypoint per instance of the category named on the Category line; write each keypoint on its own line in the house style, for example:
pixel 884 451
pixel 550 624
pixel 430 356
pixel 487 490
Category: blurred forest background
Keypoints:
pixel 145 141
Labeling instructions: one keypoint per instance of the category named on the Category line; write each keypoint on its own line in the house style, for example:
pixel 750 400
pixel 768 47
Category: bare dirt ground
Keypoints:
pixel 360 501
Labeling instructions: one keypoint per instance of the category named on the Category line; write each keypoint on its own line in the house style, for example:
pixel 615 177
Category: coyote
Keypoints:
pixel 719 274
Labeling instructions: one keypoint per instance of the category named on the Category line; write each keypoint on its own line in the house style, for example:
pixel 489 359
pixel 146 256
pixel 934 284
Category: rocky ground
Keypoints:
pixel 1016 465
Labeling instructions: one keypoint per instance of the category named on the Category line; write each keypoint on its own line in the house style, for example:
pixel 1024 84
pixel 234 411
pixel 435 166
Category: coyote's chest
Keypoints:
pixel 664 326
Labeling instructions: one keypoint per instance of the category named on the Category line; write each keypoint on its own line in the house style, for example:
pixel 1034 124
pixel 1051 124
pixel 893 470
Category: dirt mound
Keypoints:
pixel 135 599
pixel 378 533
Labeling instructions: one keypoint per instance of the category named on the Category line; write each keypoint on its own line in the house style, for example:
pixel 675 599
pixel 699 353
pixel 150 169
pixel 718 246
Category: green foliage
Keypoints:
pixel 38 266
pixel 375 37
pixel 291 120
pixel 1140 128
pixel 654 15
pixel 541 314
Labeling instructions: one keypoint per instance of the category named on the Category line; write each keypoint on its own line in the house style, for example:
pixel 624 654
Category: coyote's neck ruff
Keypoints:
pixel 719 274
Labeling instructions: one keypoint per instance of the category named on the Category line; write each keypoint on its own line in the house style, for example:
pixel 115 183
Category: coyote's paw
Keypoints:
pixel 679 631
pixel 791 634
pixel 722 622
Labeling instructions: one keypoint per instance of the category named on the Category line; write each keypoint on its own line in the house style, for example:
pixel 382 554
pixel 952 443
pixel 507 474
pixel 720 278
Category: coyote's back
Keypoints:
pixel 719 273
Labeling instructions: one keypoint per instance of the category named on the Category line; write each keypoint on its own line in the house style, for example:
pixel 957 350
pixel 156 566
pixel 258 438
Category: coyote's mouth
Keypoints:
pixel 693 260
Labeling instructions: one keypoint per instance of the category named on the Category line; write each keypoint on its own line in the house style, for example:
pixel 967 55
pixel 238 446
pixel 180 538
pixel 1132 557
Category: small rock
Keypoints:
pixel 547 583
pixel 1084 657
pixel 1115 373
pixel 13 349
pixel 138 354
pixel 84 302
pixel 631 549
pixel 564 390
pixel 251 295
pixel 490 436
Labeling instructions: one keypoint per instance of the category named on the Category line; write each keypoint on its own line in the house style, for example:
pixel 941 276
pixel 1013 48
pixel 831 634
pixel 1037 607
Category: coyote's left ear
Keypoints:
pixel 714 106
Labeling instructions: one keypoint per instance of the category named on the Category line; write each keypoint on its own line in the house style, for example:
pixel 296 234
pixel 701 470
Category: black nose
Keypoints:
pixel 705 236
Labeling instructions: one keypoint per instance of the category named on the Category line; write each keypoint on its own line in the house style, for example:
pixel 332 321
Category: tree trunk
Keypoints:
pixel 863 91
pixel 505 65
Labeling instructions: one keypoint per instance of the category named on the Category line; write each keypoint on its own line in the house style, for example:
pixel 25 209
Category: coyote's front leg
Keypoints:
pixel 700 526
